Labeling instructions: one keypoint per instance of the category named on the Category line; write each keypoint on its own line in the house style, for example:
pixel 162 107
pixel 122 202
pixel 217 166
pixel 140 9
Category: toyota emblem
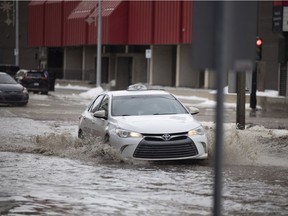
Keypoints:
pixel 166 137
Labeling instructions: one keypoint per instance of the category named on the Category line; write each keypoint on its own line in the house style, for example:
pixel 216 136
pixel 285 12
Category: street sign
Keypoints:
pixel 277 18
pixel 148 53
pixel 285 19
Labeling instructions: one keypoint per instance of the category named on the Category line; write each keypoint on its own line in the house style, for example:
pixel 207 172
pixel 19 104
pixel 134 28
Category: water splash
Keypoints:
pixel 66 145
pixel 251 146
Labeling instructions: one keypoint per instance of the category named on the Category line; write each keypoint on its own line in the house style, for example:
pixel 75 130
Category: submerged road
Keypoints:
pixel 46 170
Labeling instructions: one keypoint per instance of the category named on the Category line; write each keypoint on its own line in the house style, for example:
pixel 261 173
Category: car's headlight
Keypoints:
pixel 125 134
pixel 196 131
pixel 25 91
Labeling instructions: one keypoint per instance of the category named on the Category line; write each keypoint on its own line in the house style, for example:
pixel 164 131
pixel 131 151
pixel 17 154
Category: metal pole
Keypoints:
pixel 240 119
pixel 16 51
pixel 253 97
pixel 99 45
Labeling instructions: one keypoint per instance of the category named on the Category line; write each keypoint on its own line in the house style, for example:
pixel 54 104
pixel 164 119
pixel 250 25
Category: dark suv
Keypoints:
pixel 34 80
pixel 9 69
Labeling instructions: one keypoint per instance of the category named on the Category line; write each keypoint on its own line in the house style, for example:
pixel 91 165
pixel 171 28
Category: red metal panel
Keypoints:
pixel 77 26
pixel 114 23
pixel 140 22
pixel 186 24
pixel 167 22
pixel 68 7
pixel 53 23
pixel 36 24
pixel 117 22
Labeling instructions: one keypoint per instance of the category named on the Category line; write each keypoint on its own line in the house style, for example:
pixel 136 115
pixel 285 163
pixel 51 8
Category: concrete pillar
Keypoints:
pixel 210 77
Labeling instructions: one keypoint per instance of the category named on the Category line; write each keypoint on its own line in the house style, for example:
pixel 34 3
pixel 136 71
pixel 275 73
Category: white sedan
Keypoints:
pixel 145 124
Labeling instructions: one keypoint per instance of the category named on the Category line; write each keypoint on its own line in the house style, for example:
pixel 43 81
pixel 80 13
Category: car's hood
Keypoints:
pixel 11 87
pixel 158 123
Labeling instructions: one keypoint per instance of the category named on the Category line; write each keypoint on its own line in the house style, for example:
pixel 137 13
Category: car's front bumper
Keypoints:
pixel 155 149
pixel 14 98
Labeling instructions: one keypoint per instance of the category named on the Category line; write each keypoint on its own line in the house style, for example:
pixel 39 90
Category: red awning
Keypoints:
pixel 76 25
pixel 83 10
pixel 114 23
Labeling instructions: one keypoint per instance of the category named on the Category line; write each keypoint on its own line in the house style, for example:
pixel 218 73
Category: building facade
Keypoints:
pixel 142 41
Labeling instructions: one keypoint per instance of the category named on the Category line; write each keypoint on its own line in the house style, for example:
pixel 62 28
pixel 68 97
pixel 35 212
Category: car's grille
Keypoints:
pixel 155 147
pixel 12 96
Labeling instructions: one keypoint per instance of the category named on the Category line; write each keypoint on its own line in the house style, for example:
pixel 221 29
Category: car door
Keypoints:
pixel 88 116
pixel 99 124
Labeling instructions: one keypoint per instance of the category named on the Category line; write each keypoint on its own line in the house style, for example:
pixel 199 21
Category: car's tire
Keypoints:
pixel 22 104
pixel 45 92
pixel 80 134
pixel 106 139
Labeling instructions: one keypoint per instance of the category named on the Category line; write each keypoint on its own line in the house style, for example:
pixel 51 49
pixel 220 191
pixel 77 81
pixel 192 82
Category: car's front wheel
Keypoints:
pixel 80 134
pixel 106 139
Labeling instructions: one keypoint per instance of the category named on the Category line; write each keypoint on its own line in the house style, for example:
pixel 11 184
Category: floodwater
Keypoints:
pixel 46 170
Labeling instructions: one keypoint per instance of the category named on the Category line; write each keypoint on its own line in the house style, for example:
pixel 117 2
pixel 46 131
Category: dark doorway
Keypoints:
pixel 124 72
pixel 54 66
pixel 104 71
pixel 55 62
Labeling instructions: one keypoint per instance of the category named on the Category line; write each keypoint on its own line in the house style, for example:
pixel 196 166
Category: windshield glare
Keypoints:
pixel 6 79
pixel 146 105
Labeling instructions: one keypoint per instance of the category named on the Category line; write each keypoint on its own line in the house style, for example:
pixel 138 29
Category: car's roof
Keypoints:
pixel 4 73
pixel 137 92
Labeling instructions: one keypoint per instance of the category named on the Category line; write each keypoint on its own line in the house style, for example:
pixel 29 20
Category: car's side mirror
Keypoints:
pixel 100 114
pixel 193 110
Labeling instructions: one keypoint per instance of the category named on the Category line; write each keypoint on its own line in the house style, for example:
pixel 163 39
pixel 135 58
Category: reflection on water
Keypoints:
pixel 42 185
pixel 51 185
pixel 66 176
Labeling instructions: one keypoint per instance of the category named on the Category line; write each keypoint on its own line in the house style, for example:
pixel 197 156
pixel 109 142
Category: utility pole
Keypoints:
pixel 99 44
pixel 16 51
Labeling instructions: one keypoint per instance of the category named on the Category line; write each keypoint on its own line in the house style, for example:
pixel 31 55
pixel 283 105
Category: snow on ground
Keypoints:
pixel 200 102
pixel 91 93
pixel 266 93
pixel 69 86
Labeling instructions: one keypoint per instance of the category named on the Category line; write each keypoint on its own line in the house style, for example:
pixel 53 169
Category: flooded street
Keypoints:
pixel 46 170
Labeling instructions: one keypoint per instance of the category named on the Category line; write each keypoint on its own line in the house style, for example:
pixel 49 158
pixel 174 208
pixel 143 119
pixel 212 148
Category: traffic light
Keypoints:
pixel 259 43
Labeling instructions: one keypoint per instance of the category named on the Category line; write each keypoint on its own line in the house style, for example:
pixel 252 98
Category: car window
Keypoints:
pixel 146 105
pixel 6 79
pixel 35 75
pixel 95 105
pixel 104 104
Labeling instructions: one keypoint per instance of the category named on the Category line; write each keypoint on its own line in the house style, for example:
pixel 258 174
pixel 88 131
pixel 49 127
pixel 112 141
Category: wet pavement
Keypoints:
pixel 46 170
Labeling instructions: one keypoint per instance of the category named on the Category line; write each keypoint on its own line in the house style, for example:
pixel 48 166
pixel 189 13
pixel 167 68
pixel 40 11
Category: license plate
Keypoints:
pixel 36 84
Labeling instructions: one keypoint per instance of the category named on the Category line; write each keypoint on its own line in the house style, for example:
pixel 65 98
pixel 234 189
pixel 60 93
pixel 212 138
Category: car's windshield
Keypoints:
pixel 146 105
pixel 6 79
